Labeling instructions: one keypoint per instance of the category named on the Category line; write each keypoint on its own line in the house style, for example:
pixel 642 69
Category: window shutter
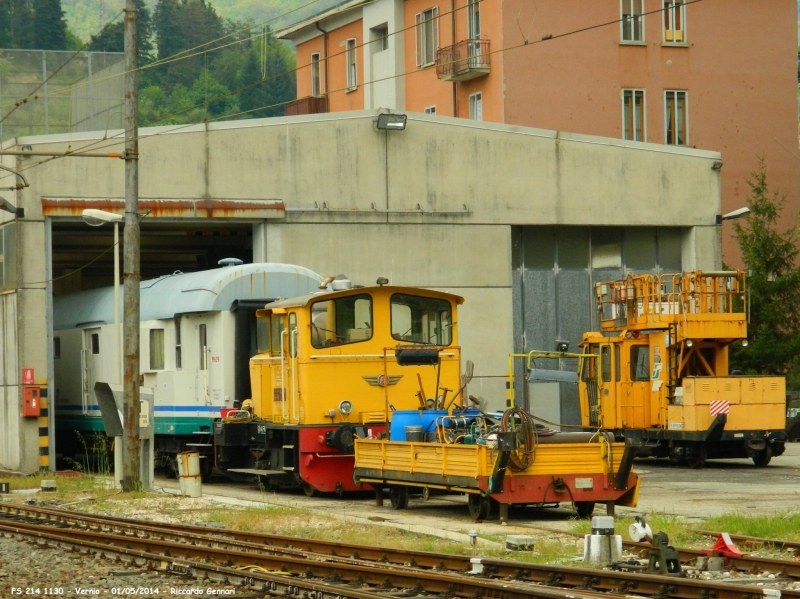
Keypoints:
pixel 435 28
pixel 418 38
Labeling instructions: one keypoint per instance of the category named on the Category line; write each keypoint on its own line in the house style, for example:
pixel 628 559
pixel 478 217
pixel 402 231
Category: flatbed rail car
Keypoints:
pixel 582 468
pixel 664 376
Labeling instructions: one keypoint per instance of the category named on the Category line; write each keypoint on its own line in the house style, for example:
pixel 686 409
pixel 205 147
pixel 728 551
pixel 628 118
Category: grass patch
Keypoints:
pixel 784 526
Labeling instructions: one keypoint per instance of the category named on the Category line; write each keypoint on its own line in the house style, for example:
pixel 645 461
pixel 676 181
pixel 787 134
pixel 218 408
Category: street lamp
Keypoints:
pixel 740 212
pixel 97 218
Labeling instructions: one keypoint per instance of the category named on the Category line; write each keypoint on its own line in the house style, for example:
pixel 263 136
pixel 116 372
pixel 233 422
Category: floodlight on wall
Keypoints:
pixel 733 215
pixel 716 165
pixel 562 347
pixel 96 218
pixel 390 122
pixel 9 207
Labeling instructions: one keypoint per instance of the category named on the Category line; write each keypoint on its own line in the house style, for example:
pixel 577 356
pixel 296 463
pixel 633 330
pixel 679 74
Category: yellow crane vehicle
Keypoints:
pixel 663 375
pixel 360 386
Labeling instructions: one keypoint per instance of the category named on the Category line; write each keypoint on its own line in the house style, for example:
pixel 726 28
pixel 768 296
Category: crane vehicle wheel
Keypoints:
pixel 584 509
pixel 399 497
pixel 310 491
pixel 762 457
pixel 479 506
pixel 696 456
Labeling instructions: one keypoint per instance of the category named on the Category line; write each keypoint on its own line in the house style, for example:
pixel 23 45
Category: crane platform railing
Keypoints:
pixel 648 301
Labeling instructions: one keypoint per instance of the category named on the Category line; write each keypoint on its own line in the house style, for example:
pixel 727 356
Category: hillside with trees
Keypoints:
pixel 196 65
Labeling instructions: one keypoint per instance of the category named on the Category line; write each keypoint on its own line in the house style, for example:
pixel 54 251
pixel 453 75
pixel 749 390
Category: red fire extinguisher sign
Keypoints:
pixel 27 376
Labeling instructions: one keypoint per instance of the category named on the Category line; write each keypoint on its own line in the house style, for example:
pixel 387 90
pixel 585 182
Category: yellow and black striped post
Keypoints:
pixel 44 427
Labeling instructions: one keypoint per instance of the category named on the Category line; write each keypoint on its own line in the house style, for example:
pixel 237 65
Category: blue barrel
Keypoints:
pixel 424 418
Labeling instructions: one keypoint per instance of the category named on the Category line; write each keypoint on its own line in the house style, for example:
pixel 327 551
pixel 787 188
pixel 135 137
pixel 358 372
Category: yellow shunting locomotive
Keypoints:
pixel 663 375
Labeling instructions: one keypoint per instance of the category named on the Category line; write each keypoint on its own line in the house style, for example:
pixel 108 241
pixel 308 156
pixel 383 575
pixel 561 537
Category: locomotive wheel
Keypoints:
pixel 696 456
pixel 479 506
pixel 310 491
pixel 399 497
pixel 761 458
pixel 584 509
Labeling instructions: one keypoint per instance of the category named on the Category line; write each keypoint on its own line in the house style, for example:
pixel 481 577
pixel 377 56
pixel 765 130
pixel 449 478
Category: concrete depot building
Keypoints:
pixel 521 222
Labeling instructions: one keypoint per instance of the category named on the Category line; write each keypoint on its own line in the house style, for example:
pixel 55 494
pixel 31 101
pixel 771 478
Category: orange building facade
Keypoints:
pixel 716 74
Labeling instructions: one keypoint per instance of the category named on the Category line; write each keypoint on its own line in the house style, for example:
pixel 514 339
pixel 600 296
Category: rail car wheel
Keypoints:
pixel 762 457
pixel 479 506
pixel 696 456
pixel 310 491
pixel 399 497
pixel 585 509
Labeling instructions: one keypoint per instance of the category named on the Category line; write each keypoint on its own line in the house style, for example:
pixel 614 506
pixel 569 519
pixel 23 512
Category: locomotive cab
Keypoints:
pixel 329 369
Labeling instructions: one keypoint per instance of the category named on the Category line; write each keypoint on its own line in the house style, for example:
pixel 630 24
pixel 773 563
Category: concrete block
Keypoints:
pixel 602 550
pixel 519 543
pixel 716 564
pixel 48 485
pixel 603 525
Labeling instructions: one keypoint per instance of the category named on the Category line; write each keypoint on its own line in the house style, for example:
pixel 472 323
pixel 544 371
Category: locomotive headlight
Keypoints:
pixel 345 407
pixel 689 343
pixel 745 343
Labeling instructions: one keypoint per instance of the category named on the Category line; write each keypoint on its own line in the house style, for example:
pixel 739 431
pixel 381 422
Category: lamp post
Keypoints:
pixel 97 218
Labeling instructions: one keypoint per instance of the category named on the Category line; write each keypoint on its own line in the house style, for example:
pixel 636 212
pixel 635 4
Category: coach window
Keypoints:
pixel 156 349
pixel 262 334
pixel 605 363
pixel 341 321
pixel 640 362
pixel 421 319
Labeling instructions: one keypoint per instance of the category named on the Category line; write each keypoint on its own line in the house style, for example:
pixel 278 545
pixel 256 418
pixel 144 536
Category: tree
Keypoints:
pixel 112 37
pixel 167 27
pixel 20 23
pixel 770 256
pixel 6 41
pixel 278 84
pixel 49 26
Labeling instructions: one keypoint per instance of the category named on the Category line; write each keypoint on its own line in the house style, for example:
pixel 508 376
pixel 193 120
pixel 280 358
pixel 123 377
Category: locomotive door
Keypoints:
pixel 90 367
pixel 635 387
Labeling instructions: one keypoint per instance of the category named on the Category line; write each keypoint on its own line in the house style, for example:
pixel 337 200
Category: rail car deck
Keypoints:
pixel 584 473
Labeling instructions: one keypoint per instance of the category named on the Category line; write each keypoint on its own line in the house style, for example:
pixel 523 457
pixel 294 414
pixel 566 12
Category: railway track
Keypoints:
pixel 779 567
pixel 345 570
pixel 780 545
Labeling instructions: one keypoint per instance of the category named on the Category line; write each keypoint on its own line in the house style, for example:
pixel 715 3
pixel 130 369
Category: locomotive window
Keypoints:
pixel 421 320
pixel 156 349
pixel 292 334
pixel 589 364
pixel 640 362
pixel 276 328
pixel 178 357
pixel 605 363
pixel 95 343
pixel 341 321
pixel 618 368
pixel 57 347
pixel 262 334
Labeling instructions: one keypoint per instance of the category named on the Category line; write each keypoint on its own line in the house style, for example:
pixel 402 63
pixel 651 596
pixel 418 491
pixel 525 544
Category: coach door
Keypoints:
pixel 90 366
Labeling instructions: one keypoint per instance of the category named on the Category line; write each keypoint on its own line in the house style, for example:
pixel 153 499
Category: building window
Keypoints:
pixel 633 114
pixel 430 110
pixel 95 343
pixel 674 21
pixel 203 348
pixel 476 107
pixel 56 348
pixel 315 87
pixel 632 20
pixel 379 38
pixel 474 19
pixel 178 356
pixel 352 73
pixel 427 30
pixel 676 118
pixel 156 349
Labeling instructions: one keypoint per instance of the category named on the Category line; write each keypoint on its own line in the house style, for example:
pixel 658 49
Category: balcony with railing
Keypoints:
pixel 307 105
pixel 463 61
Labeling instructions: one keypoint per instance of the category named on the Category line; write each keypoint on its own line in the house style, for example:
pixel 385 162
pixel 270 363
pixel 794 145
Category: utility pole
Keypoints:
pixel 131 457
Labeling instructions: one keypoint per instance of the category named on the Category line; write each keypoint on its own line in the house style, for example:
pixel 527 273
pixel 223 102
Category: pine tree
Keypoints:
pixel 6 40
pixel 21 24
pixel 49 26
pixel 167 27
pixel 112 37
pixel 773 281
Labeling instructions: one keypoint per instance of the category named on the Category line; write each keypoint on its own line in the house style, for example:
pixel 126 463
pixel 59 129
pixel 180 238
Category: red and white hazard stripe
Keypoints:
pixel 719 407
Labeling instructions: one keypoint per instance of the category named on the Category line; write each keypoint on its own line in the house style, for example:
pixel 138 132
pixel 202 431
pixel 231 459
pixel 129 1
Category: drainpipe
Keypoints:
pixel 453 42
pixel 325 54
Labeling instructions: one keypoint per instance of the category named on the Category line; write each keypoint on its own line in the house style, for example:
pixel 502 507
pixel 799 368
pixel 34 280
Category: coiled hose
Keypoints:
pixel 519 422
